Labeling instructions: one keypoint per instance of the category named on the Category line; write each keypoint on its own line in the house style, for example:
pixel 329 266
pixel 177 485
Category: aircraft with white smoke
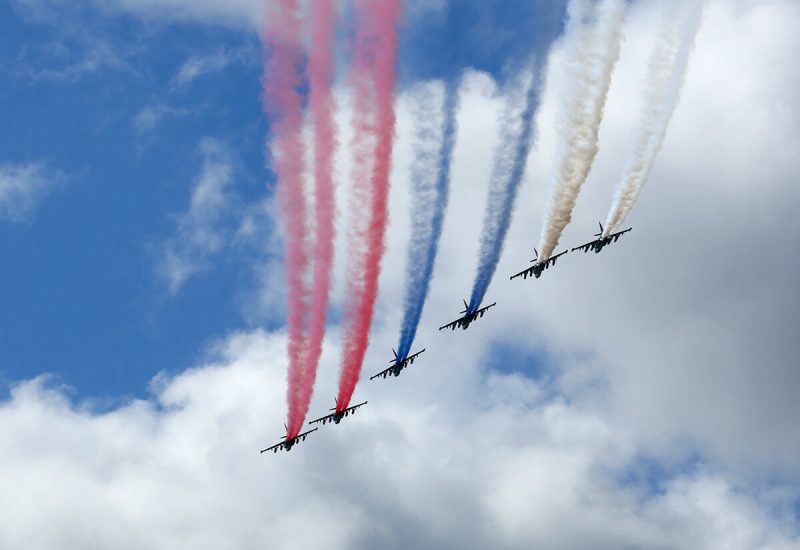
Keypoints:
pixel 469 316
pixel 602 241
pixel 398 366
pixel 337 415
pixel 538 267
pixel 290 441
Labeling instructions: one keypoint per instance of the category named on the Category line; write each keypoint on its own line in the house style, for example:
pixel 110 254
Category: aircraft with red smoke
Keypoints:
pixel 337 415
pixel 538 266
pixel 398 366
pixel 469 316
pixel 602 241
pixel 290 441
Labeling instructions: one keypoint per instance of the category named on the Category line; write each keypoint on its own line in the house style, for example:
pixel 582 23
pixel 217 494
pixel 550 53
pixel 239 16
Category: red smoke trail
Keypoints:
pixel 321 67
pixel 373 80
pixel 282 102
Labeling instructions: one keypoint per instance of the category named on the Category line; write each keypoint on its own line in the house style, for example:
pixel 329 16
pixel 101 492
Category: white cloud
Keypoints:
pixel 68 65
pixel 231 12
pixel 149 117
pixel 182 469
pixel 23 187
pixel 198 66
pixel 240 13
pixel 201 231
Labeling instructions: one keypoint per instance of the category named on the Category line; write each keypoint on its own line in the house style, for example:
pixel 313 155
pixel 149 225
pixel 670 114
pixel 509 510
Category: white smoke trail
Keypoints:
pixel 666 76
pixel 596 32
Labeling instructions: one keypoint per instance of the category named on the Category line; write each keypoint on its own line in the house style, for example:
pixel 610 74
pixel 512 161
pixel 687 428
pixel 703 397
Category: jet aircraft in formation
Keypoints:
pixel 538 266
pixel 469 316
pixel 601 242
pixel 290 441
pixel 398 366
pixel 337 415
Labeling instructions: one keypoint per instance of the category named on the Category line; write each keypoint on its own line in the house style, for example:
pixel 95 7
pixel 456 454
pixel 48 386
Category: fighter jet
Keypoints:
pixel 538 266
pixel 469 316
pixel 399 365
pixel 337 415
pixel 601 242
pixel 290 442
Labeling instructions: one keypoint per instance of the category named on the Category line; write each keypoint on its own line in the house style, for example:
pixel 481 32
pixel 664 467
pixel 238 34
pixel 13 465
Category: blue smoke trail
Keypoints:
pixel 511 157
pixel 435 140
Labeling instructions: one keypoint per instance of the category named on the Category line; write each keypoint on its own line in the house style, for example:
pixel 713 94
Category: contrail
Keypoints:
pixel 283 76
pixel 666 76
pixel 374 121
pixel 321 69
pixel 508 170
pixel 596 31
pixel 430 183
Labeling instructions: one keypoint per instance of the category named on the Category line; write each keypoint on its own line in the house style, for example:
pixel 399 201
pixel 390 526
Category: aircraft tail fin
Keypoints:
pixel 601 230
pixel 466 307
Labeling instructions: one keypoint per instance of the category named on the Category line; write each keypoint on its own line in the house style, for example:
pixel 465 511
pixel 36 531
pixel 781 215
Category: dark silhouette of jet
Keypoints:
pixel 337 415
pixel 538 266
pixel 469 316
pixel 290 442
pixel 601 242
pixel 399 365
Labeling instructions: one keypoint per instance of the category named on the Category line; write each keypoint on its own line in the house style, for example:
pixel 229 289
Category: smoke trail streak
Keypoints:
pixel 666 76
pixel 430 175
pixel 282 102
pixel 597 31
pixel 374 120
pixel 508 170
pixel 321 68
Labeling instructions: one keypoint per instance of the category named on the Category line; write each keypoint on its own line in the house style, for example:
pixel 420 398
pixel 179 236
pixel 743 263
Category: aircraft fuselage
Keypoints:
pixel 601 244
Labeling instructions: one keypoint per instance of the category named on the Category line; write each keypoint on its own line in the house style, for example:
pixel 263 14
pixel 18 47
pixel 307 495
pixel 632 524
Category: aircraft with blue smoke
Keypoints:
pixel 398 366
pixel 601 242
pixel 538 266
pixel 469 316
pixel 290 441
pixel 337 415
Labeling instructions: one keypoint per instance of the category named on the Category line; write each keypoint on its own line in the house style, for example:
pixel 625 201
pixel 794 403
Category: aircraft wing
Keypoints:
pixel 354 407
pixel 280 446
pixel 401 365
pixel 276 447
pixel 323 419
pixel 525 273
pixel 537 268
pixel 482 310
pixel 619 234
pixel 586 247
pixel 330 417
pixel 383 373
pixel 454 325
pixel 552 259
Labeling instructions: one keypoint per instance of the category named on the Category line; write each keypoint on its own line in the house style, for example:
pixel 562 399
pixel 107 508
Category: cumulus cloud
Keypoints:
pixel 23 187
pixel 181 468
pixel 201 231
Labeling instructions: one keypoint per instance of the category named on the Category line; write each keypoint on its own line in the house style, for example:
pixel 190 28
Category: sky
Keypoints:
pixel 645 397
